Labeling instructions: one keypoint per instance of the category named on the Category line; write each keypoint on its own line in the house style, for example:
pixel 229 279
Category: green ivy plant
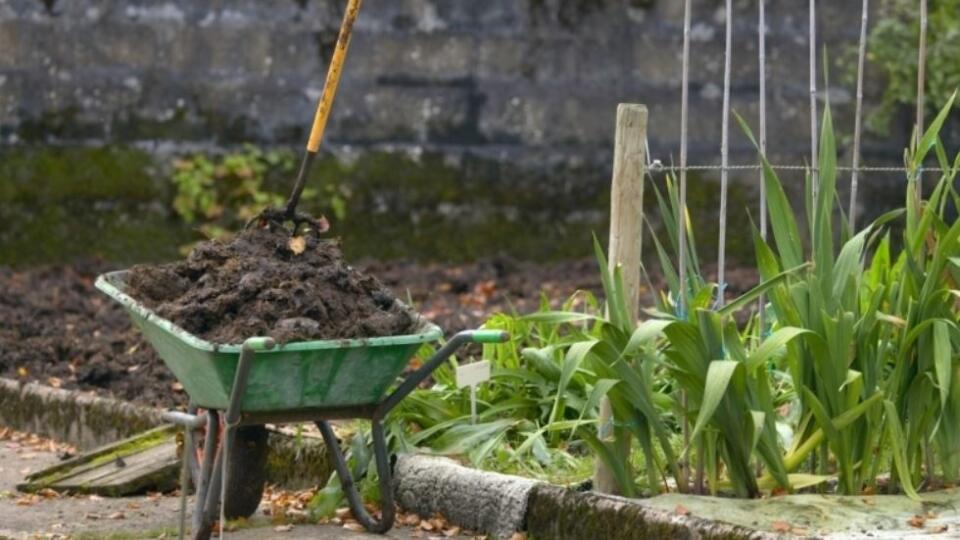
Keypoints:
pixel 219 194
pixel 893 47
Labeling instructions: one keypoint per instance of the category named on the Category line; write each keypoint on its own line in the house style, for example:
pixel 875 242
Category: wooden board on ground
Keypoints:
pixel 145 462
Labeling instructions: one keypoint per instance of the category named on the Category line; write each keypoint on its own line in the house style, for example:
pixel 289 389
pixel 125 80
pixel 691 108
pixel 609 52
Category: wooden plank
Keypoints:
pixel 147 462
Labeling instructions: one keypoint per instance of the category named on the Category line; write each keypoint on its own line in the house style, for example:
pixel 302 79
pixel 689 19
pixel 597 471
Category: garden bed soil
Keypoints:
pixel 266 283
pixel 57 329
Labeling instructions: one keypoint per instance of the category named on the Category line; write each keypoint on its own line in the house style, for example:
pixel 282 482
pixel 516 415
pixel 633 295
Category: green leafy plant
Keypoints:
pixel 527 414
pixel 219 194
pixel 893 47
pixel 863 342
pixel 854 379
pixel 876 341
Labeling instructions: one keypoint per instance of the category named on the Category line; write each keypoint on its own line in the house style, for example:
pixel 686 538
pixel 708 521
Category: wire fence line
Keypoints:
pixel 725 167
pixel 657 166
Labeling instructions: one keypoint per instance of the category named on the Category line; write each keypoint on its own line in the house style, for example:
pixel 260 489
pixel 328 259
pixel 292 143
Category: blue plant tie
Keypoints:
pixel 681 311
pixel 721 290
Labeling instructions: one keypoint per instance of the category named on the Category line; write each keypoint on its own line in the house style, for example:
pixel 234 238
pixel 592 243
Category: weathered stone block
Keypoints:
pixel 114 45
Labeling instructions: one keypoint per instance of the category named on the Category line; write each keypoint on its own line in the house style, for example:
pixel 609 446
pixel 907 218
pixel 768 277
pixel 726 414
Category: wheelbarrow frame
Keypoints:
pixel 211 486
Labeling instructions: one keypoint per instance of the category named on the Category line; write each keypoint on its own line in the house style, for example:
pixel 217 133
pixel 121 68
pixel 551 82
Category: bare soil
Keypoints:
pixel 265 283
pixel 57 329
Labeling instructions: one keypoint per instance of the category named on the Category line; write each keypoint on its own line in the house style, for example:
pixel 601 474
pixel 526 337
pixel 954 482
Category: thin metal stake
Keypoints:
pixel 814 173
pixel 724 158
pixel 921 84
pixel 682 217
pixel 473 404
pixel 762 48
pixel 858 116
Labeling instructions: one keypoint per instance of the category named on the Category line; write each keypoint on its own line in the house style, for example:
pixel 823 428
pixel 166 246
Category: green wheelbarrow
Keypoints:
pixel 235 389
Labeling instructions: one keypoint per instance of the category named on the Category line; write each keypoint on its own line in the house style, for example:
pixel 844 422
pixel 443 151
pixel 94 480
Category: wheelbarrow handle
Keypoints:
pixel 414 379
pixel 488 336
pixel 381 453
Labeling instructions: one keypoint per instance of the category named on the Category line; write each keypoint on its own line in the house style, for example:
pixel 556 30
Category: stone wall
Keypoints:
pixel 527 87
pixel 493 76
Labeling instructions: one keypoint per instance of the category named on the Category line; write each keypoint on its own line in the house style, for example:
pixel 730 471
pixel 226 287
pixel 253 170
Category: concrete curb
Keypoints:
pixel 88 421
pixel 491 503
pixel 83 420
pixel 555 512
pixel 500 505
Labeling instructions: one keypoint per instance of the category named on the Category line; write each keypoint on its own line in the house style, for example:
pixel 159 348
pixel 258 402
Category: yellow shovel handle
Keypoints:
pixel 333 76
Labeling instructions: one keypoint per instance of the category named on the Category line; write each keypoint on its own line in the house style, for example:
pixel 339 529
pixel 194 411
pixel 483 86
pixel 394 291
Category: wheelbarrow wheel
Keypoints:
pixel 247 469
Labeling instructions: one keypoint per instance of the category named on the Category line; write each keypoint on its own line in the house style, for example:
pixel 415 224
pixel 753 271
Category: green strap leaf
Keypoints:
pixel 895 435
pixel 719 375
pixel 942 359
pixel 772 346
pixel 756 292
pixel 929 139
pixel 647 331
pixel 557 317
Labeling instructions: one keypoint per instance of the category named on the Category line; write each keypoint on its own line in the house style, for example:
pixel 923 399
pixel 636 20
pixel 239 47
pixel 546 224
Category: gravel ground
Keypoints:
pixel 24 516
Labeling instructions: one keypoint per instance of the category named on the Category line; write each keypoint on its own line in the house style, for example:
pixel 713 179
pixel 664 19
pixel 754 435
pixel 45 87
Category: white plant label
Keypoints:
pixel 473 374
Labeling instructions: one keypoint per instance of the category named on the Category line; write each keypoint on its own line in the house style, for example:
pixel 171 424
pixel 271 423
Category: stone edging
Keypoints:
pixel 88 421
pixel 500 505
pixel 491 503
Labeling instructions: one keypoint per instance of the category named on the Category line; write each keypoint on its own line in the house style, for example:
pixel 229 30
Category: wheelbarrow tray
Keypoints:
pixel 296 376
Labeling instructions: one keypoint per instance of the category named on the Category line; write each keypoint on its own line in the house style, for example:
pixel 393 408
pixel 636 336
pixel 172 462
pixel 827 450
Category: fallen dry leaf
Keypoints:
pixel 54 382
pixel 297 244
pixel 917 521
pixel 117 515
pixel 352 525
pixel 452 531
pixel 939 529
pixel 48 493
pixel 519 536
pixel 28 500
pixel 681 510
pixel 780 526
pixel 177 387
pixel 426 525
pixel 283 528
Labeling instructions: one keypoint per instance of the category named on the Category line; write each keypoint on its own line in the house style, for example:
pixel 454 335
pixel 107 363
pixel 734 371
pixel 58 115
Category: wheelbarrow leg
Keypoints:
pixel 185 479
pixel 349 487
pixel 206 469
pixel 206 515
pixel 215 497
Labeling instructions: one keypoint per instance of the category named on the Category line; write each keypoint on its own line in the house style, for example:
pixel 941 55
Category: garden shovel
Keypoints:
pixel 279 216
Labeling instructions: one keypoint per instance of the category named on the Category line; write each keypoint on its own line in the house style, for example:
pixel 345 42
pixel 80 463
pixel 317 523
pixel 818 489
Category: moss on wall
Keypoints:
pixel 64 204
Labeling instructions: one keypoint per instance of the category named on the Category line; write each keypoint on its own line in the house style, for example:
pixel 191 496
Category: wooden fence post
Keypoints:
pixel 626 233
